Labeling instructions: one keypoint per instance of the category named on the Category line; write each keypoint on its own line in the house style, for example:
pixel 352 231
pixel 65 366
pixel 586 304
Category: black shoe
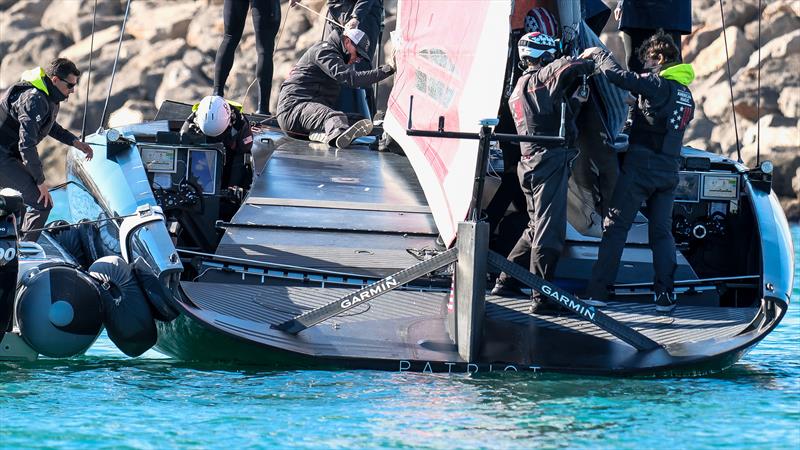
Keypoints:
pixel 263 112
pixel 507 290
pixel 665 302
pixel 545 307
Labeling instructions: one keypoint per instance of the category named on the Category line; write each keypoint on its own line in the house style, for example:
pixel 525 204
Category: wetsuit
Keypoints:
pixel 237 140
pixel 649 172
pixel 308 96
pixel 28 112
pixel 536 105
pixel 266 21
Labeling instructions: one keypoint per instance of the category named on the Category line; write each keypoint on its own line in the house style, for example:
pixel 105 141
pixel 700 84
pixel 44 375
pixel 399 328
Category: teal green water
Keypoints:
pixel 105 400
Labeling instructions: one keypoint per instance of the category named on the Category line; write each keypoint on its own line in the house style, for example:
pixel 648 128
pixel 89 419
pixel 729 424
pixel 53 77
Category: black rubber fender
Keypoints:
pixel 158 296
pixel 58 309
pixel 126 312
pixel 70 240
pixel 91 242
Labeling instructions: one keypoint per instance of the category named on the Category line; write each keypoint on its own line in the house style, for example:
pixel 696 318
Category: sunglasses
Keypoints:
pixel 69 85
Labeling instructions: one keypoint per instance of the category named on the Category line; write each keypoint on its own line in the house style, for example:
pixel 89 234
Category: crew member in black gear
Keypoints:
pixel 367 16
pixel 546 87
pixel 650 170
pixel 266 21
pixel 307 97
pixel 28 112
pixel 509 191
pixel 210 116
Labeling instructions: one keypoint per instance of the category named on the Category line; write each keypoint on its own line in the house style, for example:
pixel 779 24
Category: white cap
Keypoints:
pixel 354 34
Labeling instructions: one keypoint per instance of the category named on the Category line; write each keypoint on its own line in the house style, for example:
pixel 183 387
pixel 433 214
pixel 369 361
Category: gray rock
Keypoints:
pixel 153 24
pixel 796 183
pixel 777 20
pixel 789 101
pixel 712 58
pixel 205 31
pixel 785 161
pixel 35 52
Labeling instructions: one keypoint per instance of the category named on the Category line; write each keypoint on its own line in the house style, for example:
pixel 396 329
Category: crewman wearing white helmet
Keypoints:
pixel 221 120
pixel 548 85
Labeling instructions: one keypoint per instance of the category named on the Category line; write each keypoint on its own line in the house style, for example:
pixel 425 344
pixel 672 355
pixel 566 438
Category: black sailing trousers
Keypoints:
pixel 14 175
pixel 266 21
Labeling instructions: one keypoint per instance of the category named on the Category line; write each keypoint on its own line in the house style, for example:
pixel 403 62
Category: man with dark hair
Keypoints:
pixel 308 96
pixel 650 170
pixel 544 94
pixel 28 113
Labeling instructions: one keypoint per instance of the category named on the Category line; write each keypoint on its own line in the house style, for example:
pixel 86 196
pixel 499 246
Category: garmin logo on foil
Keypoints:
pixel 369 292
pixel 589 312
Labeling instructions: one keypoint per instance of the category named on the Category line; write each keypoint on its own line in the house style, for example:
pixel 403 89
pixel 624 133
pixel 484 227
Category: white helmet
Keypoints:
pixel 213 115
pixel 534 45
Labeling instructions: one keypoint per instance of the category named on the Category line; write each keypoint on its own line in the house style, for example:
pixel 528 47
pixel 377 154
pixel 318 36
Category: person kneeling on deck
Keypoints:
pixel 650 170
pixel 307 98
pixel 221 120
pixel 547 86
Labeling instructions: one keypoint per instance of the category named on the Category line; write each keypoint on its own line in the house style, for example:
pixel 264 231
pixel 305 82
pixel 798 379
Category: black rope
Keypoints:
pixel 89 75
pixel 758 92
pixel 116 58
pixel 730 83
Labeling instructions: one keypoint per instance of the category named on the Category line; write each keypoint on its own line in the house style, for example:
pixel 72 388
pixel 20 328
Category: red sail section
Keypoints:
pixel 451 58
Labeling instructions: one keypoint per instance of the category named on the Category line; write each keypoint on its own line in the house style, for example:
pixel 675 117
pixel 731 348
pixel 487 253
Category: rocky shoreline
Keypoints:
pixel 168 53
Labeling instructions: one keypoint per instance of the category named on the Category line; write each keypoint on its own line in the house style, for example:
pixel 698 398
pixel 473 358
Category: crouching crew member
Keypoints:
pixel 307 98
pixel 28 112
pixel 650 170
pixel 221 120
pixel 547 86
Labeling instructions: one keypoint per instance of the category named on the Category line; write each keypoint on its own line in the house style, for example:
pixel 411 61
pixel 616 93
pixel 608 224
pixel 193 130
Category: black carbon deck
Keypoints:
pixel 261 306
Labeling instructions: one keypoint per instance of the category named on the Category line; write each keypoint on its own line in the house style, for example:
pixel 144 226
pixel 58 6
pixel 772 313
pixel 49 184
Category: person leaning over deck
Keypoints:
pixel 650 170
pixel 28 112
pixel 222 121
pixel 547 86
pixel 307 97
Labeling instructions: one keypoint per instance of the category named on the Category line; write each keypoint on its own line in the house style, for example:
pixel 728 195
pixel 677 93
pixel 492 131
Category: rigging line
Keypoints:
pixel 89 74
pixel 730 83
pixel 758 92
pixel 320 15
pixel 114 68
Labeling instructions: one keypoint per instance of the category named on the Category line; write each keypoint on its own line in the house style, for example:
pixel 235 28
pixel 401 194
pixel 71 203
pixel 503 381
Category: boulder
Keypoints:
pixel 60 16
pixel 612 40
pixel 737 13
pixel 789 101
pixel 154 24
pixel 82 48
pixel 205 31
pixel 700 38
pixel 35 52
pixel 182 83
pixel 776 132
pixel 776 20
pixel 791 207
pixel 780 47
pixel 796 183
pixel 133 111
pixel 713 57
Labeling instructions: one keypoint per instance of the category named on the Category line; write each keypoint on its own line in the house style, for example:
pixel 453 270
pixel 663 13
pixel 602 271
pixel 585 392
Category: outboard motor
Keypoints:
pixel 58 310
pixel 11 209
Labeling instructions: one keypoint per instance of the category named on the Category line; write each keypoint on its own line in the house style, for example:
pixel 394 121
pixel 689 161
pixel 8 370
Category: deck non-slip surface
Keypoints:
pixel 353 210
pixel 685 324
pixel 270 305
